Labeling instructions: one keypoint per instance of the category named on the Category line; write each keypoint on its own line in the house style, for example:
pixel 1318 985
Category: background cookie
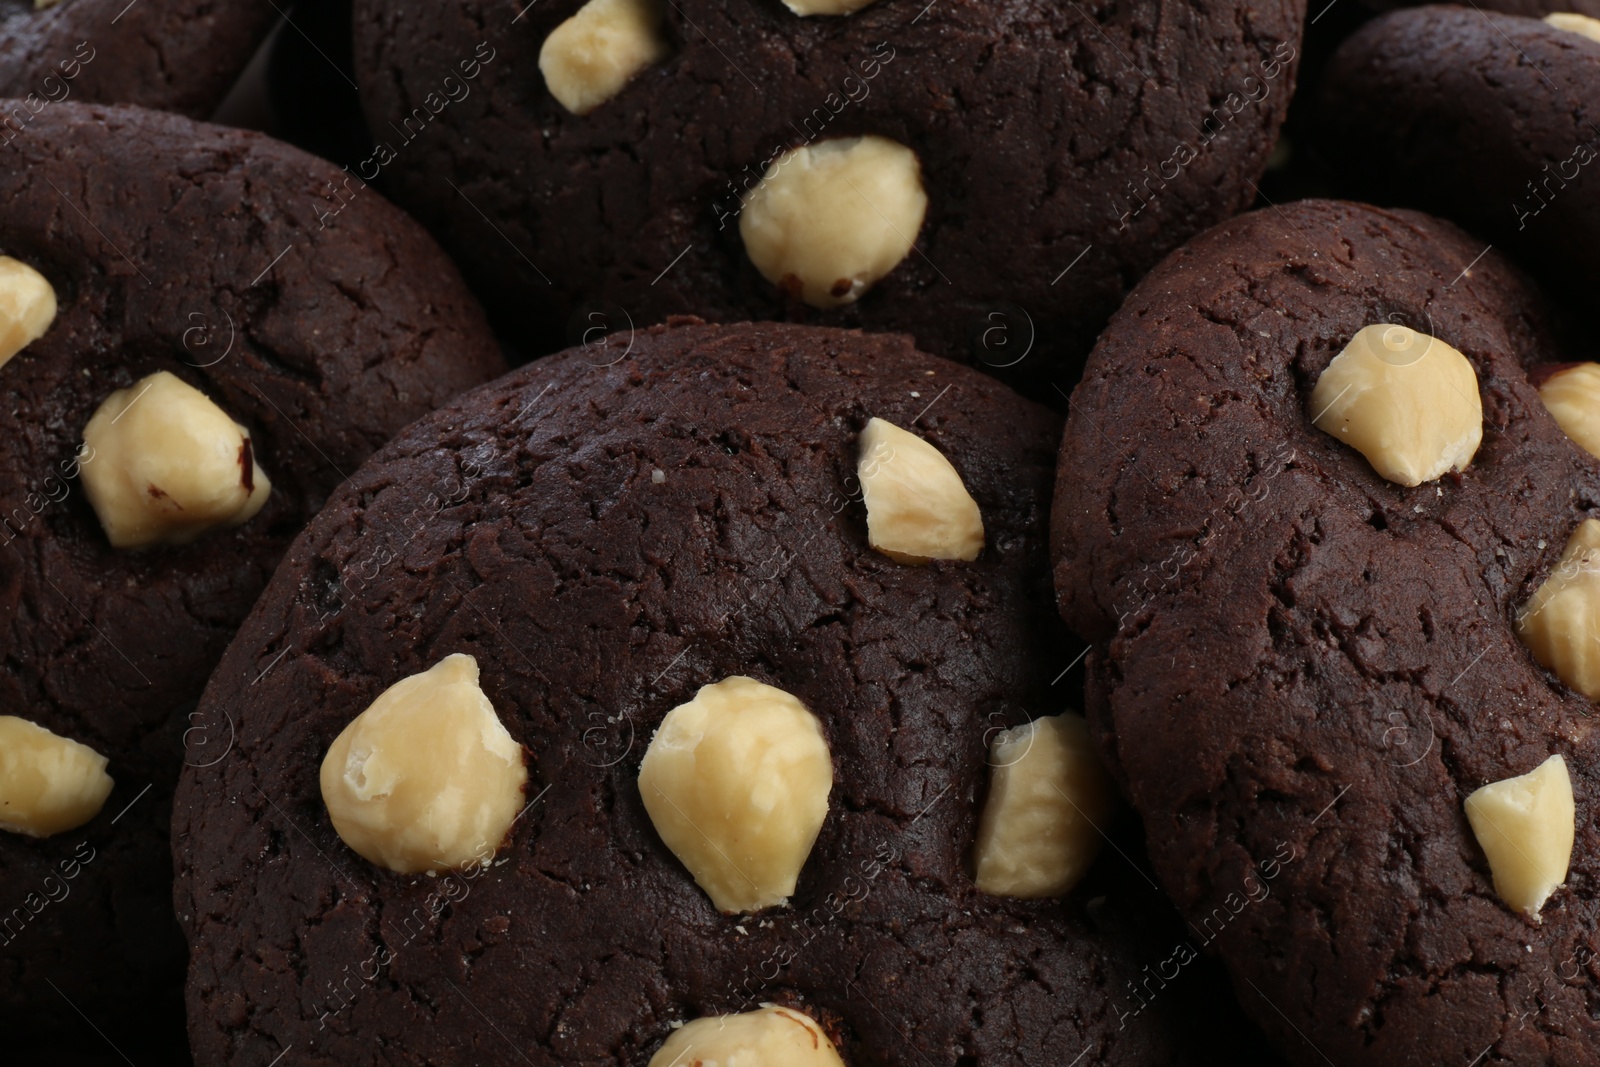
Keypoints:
pixel 1493 121
pixel 1299 663
pixel 606 531
pixel 1063 149
pixel 172 55
pixel 200 251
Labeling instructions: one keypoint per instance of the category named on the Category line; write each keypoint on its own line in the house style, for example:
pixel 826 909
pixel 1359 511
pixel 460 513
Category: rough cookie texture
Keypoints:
pixel 596 597
pixel 1490 120
pixel 1298 662
pixel 1046 132
pixel 172 55
pixel 162 238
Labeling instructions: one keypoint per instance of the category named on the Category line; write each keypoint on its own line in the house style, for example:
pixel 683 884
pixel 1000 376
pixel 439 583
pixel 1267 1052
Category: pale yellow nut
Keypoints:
pixel 1405 400
pixel 826 7
pixel 427 778
pixel 1049 798
pixel 736 782
pixel 918 509
pixel 163 465
pixel 1572 23
pixel 829 220
pixel 27 307
pixel 1525 826
pixel 1560 623
pixel 1572 396
pixel 590 57
pixel 767 1037
pixel 48 783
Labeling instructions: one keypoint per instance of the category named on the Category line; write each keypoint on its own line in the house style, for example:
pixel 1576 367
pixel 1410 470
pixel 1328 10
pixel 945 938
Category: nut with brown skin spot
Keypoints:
pixel 48 783
pixel 828 220
pixel 771 1036
pixel 806 8
pixel 163 465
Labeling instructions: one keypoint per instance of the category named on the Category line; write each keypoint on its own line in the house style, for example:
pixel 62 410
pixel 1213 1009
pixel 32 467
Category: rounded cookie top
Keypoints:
pixel 1299 662
pixel 606 531
pixel 170 55
pixel 189 249
pixel 1061 149
pixel 1492 121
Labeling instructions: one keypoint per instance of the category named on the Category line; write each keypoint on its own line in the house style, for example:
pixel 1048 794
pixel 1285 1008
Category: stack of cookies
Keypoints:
pixel 1018 534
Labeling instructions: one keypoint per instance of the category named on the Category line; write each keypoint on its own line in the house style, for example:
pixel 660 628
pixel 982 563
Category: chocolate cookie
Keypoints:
pixel 1301 669
pixel 606 532
pixel 171 55
pixel 1041 157
pixel 183 261
pixel 1490 120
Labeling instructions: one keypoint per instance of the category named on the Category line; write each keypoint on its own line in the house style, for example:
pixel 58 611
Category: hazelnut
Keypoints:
pixel 27 307
pixel 826 7
pixel 1560 623
pixel 1582 25
pixel 918 509
pixel 427 778
pixel 1572 395
pixel 48 783
pixel 828 220
pixel 590 57
pixel 1405 400
pixel 767 1037
pixel 736 782
pixel 1048 797
pixel 163 465
pixel 1525 826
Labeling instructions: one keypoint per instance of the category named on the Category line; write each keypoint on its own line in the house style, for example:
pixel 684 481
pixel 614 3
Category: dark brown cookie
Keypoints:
pixel 171 55
pixel 181 247
pixel 1490 120
pixel 606 531
pixel 1301 669
pixel 1064 148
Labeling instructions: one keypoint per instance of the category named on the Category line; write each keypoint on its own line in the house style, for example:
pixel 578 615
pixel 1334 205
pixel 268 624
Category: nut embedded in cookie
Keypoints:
pixel 162 465
pixel 829 220
pixel 1582 25
pixel 1560 623
pixel 1572 396
pixel 48 783
pixel 768 1037
pixel 826 7
pixel 1526 827
pixel 427 778
pixel 1048 798
pixel 918 509
pixel 27 307
pixel 736 782
pixel 1407 401
pixel 589 58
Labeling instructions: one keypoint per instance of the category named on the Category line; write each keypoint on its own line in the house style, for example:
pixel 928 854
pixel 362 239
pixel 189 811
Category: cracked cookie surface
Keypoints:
pixel 170 55
pixel 1296 659
pixel 182 247
pixel 606 531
